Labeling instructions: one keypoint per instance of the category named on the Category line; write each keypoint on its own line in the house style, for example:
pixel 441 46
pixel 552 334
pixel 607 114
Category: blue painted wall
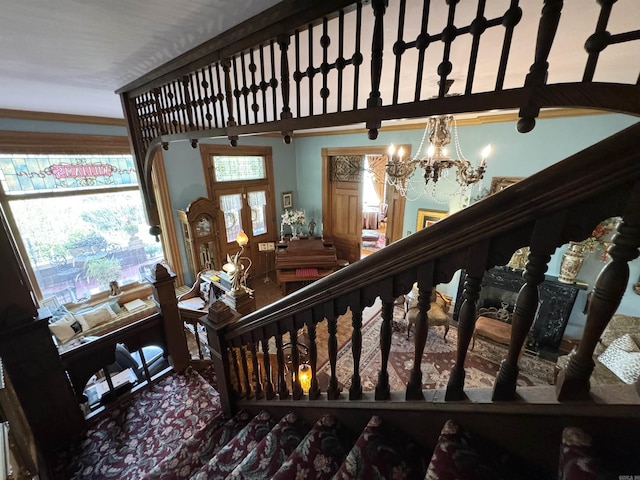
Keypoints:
pixel 297 168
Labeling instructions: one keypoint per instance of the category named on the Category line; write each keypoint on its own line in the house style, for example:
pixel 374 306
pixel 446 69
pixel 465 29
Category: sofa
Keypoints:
pixel 72 325
pixel 617 354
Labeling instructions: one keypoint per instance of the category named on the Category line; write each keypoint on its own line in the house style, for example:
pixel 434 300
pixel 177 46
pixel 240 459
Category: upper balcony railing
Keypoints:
pixel 305 64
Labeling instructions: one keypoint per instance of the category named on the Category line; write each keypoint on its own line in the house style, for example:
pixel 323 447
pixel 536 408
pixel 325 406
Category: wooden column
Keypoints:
pixel 383 391
pixel 164 293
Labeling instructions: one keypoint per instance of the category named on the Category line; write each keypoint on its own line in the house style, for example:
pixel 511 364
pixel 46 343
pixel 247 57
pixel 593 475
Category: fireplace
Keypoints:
pixel 500 287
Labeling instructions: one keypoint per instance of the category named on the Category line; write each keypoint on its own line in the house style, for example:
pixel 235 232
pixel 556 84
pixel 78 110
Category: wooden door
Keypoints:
pixel 395 214
pixel 247 209
pixel 346 219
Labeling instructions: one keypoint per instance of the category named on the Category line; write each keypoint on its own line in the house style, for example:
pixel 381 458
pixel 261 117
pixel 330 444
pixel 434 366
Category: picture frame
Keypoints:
pixel 51 303
pixel 287 200
pixel 426 217
pixel 500 183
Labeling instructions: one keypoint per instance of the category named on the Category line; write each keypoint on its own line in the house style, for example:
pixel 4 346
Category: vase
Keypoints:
pixel 571 263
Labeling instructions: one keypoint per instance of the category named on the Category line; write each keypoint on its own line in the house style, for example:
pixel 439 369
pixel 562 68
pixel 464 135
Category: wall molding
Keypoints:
pixel 60 117
pixel 62 143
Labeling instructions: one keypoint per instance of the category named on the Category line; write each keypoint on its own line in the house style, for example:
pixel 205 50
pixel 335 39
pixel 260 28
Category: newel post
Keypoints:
pixel 164 292
pixel 219 317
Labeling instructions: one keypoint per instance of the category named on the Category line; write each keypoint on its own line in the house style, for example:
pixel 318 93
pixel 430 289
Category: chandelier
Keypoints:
pixel 436 163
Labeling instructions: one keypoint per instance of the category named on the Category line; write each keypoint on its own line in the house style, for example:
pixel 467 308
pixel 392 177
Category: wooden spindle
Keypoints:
pixel 478 27
pixel 231 122
pixel 414 387
pixel 333 392
pixel 357 57
pixel 283 391
pixel 263 86
pixel 266 360
pixel 355 391
pixel 377 47
pixel 245 372
pixel 448 36
pixel 244 91
pixel 314 390
pixel 296 388
pixel 573 381
pixel 399 49
pixel 273 83
pixel 310 70
pixel 297 75
pixel 510 20
pixel 283 42
pixel 325 41
pixel 598 41
pixel 523 317
pixel 466 325
pixel 537 75
pixel 341 61
pixel 157 95
pixel 255 374
pixel 255 108
pixel 383 390
pixel 236 368
pixel 220 97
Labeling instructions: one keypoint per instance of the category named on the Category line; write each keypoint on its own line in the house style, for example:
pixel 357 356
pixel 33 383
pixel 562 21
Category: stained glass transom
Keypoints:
pixel 21 174
pixel 234 168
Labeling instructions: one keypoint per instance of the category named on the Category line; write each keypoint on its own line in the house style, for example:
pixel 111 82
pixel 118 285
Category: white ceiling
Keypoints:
pixel 69 56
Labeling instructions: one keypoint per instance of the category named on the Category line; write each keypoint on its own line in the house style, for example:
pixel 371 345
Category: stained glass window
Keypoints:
pixel 230 169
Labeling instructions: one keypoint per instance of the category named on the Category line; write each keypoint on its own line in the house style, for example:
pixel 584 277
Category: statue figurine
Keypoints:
pixel 312 227
pixel 114 288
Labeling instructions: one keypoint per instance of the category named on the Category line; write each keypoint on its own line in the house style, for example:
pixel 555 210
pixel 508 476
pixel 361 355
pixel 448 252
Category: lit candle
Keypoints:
pixel 400 153
pixel 304 376
pixel 486 151
pixel 392 150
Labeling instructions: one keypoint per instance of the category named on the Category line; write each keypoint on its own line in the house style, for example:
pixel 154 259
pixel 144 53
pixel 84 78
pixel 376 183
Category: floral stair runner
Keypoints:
pixel 175 431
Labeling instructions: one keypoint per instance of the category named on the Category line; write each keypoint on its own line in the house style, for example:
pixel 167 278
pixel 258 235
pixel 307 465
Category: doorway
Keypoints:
pixel 240 185
pixel 342 199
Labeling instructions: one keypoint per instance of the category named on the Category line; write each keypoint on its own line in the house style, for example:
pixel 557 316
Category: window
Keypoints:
pixel 233 168
pixel 77 219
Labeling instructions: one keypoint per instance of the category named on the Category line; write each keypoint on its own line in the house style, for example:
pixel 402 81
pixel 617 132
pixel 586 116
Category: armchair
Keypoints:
pixel 437 314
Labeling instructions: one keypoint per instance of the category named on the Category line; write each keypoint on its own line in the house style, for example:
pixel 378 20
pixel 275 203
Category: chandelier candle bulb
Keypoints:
pixel 304 376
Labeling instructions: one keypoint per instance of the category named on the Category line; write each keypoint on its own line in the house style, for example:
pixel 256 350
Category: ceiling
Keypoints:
pixel 69 56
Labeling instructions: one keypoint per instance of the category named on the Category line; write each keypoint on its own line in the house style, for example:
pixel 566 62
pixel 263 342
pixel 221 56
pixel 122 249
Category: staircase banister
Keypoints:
pixel 542 194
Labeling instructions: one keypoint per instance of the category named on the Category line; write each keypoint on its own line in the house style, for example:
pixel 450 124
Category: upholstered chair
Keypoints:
pixel 437 314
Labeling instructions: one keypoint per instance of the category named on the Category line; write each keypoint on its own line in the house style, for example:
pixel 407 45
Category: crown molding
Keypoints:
pixel 60 117
pixel 62 143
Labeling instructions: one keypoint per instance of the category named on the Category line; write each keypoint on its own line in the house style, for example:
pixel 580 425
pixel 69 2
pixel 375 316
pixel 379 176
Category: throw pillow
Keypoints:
pixel 97 316
pixel 66 328
pixel 622 357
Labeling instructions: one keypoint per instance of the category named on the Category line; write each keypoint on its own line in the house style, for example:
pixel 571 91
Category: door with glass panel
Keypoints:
pixel 244 209
pixel 241 187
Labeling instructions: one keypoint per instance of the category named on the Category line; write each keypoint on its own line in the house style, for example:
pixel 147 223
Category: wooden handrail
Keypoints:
pixel 540 195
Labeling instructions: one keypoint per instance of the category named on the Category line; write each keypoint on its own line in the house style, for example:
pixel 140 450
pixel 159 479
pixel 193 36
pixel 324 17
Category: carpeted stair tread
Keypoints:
pixel 229 457
pixel 320 453
pixel 383 452
pixel 131 439
pixel 198 450
pixel 269 455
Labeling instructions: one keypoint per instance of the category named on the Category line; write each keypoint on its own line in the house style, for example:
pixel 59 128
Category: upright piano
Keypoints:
pixel 304 261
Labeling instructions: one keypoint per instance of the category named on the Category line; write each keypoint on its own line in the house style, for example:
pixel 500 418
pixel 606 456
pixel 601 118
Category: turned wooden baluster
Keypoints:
pixel 383 391
pixel 283 42
pixel 414 387
pixel 236 368
pixel 158 111
pixel 283 391
pixel 296 388
pixel 231 122
pixel 523 316
pixel 355 391
pixel 266 360
pixel 573 381
pixel 466 325
pixel 255 375
pixel 245 371
pixel 314 390
pixel 537 75
pixel 377 47
pixel 333 391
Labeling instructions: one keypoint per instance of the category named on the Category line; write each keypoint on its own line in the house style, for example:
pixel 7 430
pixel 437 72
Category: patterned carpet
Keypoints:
pixel 481 365
pixel 137 435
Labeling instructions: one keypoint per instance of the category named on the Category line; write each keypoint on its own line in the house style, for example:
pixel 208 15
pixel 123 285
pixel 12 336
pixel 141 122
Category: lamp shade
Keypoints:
pixel 242 238
pixel 304 376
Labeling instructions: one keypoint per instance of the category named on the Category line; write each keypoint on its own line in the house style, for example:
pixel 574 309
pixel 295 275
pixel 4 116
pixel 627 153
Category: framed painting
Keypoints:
pixel 427 218
pixel 500 183
pixel 287 200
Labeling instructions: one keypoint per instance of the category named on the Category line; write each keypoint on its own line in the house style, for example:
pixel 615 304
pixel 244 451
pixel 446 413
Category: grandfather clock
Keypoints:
pixel 199 231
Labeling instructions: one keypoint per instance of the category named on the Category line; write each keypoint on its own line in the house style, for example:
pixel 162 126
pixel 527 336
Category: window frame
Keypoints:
pixel 38 143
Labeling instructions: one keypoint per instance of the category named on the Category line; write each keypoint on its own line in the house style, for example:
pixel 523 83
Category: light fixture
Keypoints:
pixel 234 265
pixel 436 163
pixel 304 376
